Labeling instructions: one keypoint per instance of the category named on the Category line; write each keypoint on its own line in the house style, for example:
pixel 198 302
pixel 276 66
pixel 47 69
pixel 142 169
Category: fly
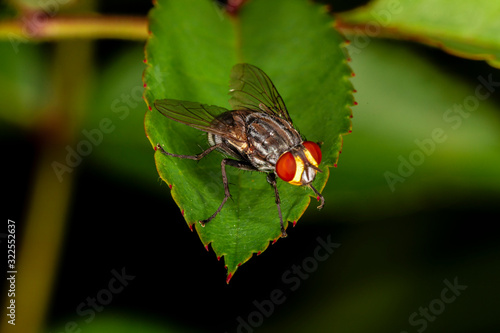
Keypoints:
pixel 257 135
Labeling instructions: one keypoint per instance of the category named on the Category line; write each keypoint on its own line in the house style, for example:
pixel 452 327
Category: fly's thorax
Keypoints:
pixel 268 137
pixel 299 165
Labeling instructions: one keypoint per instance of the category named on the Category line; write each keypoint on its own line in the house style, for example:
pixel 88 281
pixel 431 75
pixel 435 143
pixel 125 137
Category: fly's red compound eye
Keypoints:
pixel 314 150
pixel 286 166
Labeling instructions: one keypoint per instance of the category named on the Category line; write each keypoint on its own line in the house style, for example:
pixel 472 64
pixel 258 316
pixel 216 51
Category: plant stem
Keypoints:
pixel 47 210
pixel 41 244
pixel 42 28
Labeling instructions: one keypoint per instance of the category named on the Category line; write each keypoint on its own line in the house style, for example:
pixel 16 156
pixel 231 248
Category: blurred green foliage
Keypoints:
pixel 465 28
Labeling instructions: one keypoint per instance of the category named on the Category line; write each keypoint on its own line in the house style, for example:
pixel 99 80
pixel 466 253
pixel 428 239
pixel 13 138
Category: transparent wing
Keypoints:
pixel 251 89
pixel 200 116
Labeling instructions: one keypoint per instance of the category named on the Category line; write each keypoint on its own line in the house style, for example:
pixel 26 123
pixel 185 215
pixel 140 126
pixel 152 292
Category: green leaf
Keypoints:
pixel 421 94
pixel 189 56
pixel 465 28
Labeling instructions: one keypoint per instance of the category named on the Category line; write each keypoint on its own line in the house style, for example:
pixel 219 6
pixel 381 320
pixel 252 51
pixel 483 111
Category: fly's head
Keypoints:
pixel 299 165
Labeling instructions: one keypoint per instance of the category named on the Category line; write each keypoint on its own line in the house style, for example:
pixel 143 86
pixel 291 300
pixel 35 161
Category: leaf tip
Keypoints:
pixel 229 276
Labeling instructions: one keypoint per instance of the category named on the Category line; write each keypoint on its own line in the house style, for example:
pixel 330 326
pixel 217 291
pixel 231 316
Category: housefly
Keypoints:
pixel 256 135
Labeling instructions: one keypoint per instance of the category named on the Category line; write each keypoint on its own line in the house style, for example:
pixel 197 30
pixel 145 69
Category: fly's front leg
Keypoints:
pixel 318 196
pixel 271 179
pixel 236 164
pixel 190 157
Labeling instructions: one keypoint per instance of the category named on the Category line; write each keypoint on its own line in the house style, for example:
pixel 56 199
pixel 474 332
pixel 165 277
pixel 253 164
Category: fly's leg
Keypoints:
pixel 271 179
pixel 190 157
pixel 236 164
pixel 318 196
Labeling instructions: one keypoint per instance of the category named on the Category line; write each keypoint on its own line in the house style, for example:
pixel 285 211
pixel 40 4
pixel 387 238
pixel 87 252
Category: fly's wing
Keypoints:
pixel 200 116
pixel 251 89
